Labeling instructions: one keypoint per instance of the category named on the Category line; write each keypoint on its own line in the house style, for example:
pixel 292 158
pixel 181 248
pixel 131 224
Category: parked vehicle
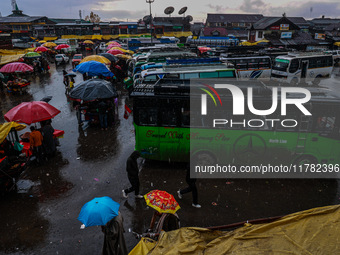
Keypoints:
pixel 77 58
pixel 61 59
pixel 335 55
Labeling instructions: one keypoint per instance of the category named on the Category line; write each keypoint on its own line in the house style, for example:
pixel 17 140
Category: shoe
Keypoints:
pixel 196 205
pixel 139 196
pixel 124 194
pixel 179 194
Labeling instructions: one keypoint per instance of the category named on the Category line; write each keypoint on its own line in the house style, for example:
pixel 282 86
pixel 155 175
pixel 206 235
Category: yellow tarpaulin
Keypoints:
pixel 337 43
pixel 314 231
pixel 16 51
pixel 50 38
pixel 143 247
pixel 5 59
pixel 97 37
pixel 7 127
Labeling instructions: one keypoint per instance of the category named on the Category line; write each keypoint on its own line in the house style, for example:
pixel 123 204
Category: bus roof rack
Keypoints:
pixel 192 61
pixel 301 54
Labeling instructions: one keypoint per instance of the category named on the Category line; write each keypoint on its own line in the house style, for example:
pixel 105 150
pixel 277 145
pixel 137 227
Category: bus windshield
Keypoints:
pixel 281 64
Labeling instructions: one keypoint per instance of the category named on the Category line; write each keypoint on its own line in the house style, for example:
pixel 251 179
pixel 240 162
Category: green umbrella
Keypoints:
pixel 32 55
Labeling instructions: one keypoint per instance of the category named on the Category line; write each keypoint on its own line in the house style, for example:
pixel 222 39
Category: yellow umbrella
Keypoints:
pixel 110 42
pixel 88 42
pixel 49 44
pixel 96 58
pixel 123 50
pixel 42 41
pixel 337 44
pixel 261 41
pixel 121 56
pixel 246 44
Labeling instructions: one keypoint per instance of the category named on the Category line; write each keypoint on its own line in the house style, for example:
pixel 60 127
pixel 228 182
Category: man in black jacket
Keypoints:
pixel 133 172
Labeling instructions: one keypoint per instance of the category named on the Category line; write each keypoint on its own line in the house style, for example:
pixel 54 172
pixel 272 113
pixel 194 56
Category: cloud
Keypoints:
pixel 252 6
pixel 120 14
pixel 218 8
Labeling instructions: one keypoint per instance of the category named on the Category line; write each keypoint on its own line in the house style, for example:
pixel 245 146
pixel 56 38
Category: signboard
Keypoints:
pixel 284 26
pixel 132 26
pixel 286 35
pixel 275 28
pixel 123 27
pixel 320 36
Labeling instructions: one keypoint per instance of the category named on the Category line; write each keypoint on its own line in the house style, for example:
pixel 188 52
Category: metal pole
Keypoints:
pixel 150 2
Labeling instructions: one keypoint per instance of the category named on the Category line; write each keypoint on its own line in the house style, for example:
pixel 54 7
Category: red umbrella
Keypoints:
pixel 16 67
pixel 115 52
pixel 41 49
pixel 62 46
pixel 31 112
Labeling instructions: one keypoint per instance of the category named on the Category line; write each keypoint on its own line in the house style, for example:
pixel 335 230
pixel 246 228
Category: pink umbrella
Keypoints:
pixel 62 46
pixel 16 67
pixel 115 52
pixel 114 44
pixel 41 49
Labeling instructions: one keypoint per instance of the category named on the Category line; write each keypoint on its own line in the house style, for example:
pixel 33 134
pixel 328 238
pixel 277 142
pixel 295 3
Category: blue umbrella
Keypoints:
pixel 93 68
pixel 98 211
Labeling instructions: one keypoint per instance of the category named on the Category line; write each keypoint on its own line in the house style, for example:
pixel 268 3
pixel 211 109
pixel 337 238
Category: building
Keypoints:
pixel 21 25
pixel 5 37
pixel 172 26
pixel 225 25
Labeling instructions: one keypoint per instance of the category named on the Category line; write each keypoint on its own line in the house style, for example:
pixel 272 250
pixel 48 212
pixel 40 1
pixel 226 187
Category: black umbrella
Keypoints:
pixel 109 56
pixel 71 74
pixel 93 89
pixel 46 99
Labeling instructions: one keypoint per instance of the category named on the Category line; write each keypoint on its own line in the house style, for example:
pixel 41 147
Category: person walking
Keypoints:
pixel 191 188
pixel 103 112
pixel 48 141
pixel 36 139
pixel 133 172
pixel 66 80
pixel 114 242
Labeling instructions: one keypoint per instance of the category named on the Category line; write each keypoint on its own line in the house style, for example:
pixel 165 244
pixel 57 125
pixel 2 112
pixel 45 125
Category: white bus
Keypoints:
pixel 295 67
pixel 251 67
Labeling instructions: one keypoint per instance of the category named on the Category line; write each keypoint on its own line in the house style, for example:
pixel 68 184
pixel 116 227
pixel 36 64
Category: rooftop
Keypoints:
pixel 246 18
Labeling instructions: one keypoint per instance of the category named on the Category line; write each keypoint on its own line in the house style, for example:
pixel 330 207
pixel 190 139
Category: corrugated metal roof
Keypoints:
pixel 21 19
pixel 268 21
pixel 246 18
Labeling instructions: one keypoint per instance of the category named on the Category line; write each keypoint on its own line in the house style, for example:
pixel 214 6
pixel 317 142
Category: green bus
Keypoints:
pixel 167 129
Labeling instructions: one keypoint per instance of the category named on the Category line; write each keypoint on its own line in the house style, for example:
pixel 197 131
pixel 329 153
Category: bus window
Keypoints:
pixel 294 66
pixel 191 76
pixel 169 117
pixel 312 63
pixel 147 116
pixel 172 75
pixel 325 125
pixel 185 117
pixel 241 64
pixel 281 65
pixel 151 78
pixel 264 63
pixel 253 63
pixel 226 74
pixel 209 75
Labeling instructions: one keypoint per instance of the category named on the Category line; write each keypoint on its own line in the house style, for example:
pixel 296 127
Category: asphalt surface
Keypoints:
pixel 43 218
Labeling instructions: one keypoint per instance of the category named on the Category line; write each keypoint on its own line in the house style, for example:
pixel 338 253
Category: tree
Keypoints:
pixel 93 18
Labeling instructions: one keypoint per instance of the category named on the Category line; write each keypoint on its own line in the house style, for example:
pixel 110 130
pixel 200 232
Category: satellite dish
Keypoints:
pixel 169 10
pixel 147 19
pixel 189 18
pixel 182 10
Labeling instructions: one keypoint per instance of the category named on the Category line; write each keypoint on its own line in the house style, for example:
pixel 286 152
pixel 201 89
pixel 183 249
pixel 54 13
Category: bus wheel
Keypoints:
pixel 204 159
pixel 306 159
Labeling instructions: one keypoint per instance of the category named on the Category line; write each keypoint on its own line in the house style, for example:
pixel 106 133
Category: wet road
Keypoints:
pixel 92 164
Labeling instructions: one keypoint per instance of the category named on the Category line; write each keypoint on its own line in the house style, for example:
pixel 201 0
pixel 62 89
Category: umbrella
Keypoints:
pixel 115 52
pixel 42 41
pixel 93 68
pixel 203 49
pixel 16 67
pixel 31 112
pixel 98 211
pixel 71 74
pixel 121 56
pixel 88 42
pixel 62 46
pixel 96 58
pixel 123 50
pixel 113 44
pixel 46 99
pixel 161 201
pixel 109 56
pixel 93 89
pixel 41 49
pixel 32 55
pixel 49 44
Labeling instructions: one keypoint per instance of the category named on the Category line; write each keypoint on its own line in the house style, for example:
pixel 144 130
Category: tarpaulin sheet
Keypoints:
pixel 7 127
pixel 16 51
pixel 50 38
pixel 143 247
pixel 5 59
pixel 314 231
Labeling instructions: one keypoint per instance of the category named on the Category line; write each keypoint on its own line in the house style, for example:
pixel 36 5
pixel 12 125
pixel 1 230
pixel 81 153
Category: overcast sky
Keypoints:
pixel 133 10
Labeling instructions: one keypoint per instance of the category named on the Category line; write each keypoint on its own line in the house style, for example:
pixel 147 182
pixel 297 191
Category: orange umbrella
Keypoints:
pixel 161 201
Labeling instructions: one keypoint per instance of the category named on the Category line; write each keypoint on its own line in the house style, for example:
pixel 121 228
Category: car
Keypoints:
pixel 77 58
pixel 61 59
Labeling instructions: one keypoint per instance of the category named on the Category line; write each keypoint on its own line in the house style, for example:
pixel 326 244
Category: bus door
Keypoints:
pixel 304 67
pixel 171 133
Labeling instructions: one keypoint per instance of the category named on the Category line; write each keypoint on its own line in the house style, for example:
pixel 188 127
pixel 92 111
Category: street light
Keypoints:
pixel 150 2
